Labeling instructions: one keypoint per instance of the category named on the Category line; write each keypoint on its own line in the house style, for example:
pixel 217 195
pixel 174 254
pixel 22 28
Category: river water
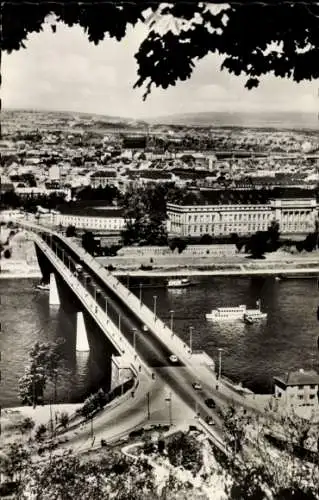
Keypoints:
pixel 252 354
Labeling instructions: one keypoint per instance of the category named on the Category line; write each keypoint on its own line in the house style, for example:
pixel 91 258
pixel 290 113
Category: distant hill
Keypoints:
pixel 265 120
pixel 287 120
pixel 68 114
pixel 48 117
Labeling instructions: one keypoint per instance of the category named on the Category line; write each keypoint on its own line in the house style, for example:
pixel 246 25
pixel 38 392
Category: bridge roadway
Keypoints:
pixel 154 352
pixel 178 378
pixel 123 347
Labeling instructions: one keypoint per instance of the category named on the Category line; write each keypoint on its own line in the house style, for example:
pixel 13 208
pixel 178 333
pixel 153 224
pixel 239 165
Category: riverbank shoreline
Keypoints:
pixel 303 272
pixel 310 272
pixel 20 275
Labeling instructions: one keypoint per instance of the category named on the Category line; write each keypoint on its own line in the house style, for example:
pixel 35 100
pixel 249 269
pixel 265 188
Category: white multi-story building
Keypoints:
pixel 104 178
pixel 293 216
pixel 35 192
pixel 109 219
pixel 10 215
pixel 298 388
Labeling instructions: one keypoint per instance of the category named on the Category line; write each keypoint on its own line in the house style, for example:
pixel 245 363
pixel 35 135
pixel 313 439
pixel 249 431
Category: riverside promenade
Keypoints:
pixel 185 271
pixel 240 264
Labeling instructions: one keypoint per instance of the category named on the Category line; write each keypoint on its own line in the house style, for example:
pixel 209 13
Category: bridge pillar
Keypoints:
pixel 54 298
pixel 82 343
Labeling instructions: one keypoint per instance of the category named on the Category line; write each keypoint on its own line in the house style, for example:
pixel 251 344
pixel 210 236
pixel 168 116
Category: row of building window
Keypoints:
pixel 204 218
pixel 91 222
pixel 229 228
pixel 299 396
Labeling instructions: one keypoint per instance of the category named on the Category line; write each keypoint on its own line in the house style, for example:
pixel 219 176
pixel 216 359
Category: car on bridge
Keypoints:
pixel 78 268
pixel 210 421
pixel 210 403
pixel 197 386
pixel 173 358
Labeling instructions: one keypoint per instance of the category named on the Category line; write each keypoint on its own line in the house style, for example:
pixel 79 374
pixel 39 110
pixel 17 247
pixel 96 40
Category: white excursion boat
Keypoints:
pixel 45 287
pixel 237 313
pixel 179 283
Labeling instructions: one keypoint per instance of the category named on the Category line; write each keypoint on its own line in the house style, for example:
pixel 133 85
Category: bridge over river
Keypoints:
pixel 141 341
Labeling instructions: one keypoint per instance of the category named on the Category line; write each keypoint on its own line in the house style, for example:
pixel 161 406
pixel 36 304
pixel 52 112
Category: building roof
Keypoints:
pixel 154 174
pixel 6 186
pixel 89 211
pixel 104 173
pixel 229 196
pixel 298 377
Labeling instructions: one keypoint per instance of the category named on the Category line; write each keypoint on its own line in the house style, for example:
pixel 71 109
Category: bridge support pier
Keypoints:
pixel 82 344
pixel 54 298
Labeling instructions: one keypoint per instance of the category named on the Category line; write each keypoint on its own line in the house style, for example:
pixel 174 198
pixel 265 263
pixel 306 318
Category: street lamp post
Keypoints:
pixel 196 410
pixel 191 328
pixel 119 325
pixel 155 299
pixel 51 419
pixel 220 350
pixel 134 338
pixel 92 430
pixel 148 406
pixel 169 400
pixel 141 286
pixel 172 321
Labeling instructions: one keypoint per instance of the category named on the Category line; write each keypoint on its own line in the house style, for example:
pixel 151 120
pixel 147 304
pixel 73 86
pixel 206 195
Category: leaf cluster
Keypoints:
pixel 254 38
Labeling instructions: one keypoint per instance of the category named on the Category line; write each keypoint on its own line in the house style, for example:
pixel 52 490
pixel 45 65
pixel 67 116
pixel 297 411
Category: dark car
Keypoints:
pixel 210 421
pixel 197 386
pixel 210 403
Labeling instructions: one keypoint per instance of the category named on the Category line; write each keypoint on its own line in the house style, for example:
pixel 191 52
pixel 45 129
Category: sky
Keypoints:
pixel 64 71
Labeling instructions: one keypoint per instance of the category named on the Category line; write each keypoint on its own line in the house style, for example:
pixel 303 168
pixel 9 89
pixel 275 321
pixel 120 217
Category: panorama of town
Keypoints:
pixel 93 209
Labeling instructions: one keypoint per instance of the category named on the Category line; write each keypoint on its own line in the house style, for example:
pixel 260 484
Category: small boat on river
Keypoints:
pixel 44 287
pixel 180 283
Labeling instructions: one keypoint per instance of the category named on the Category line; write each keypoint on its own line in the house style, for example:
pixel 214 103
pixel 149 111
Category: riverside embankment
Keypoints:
pixel 279 263
pixel 10 269
pixel 23 263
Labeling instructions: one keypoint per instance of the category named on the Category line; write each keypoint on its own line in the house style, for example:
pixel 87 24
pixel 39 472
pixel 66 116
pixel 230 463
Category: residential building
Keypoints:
pixel 6 187
pixel 36 192
pixel 54 173
pixel 98 219
pixel 297 388
pixel 104 178
pixel 10 215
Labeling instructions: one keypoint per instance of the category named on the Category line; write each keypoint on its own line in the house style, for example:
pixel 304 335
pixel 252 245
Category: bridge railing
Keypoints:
pixel 215 438
pixel 141 310
pixel 148 317
pixel 100 316
pixel 157 326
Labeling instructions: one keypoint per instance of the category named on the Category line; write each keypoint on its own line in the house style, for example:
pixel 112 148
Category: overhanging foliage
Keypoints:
pixel 255 38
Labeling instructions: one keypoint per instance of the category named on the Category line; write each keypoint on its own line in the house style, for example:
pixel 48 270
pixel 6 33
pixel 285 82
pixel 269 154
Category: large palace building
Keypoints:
pixel 295 215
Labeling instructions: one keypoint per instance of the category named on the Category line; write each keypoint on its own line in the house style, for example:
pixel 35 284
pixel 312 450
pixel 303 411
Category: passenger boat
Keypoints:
pixel 237 313
pixel 44 287
pixel 179 283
